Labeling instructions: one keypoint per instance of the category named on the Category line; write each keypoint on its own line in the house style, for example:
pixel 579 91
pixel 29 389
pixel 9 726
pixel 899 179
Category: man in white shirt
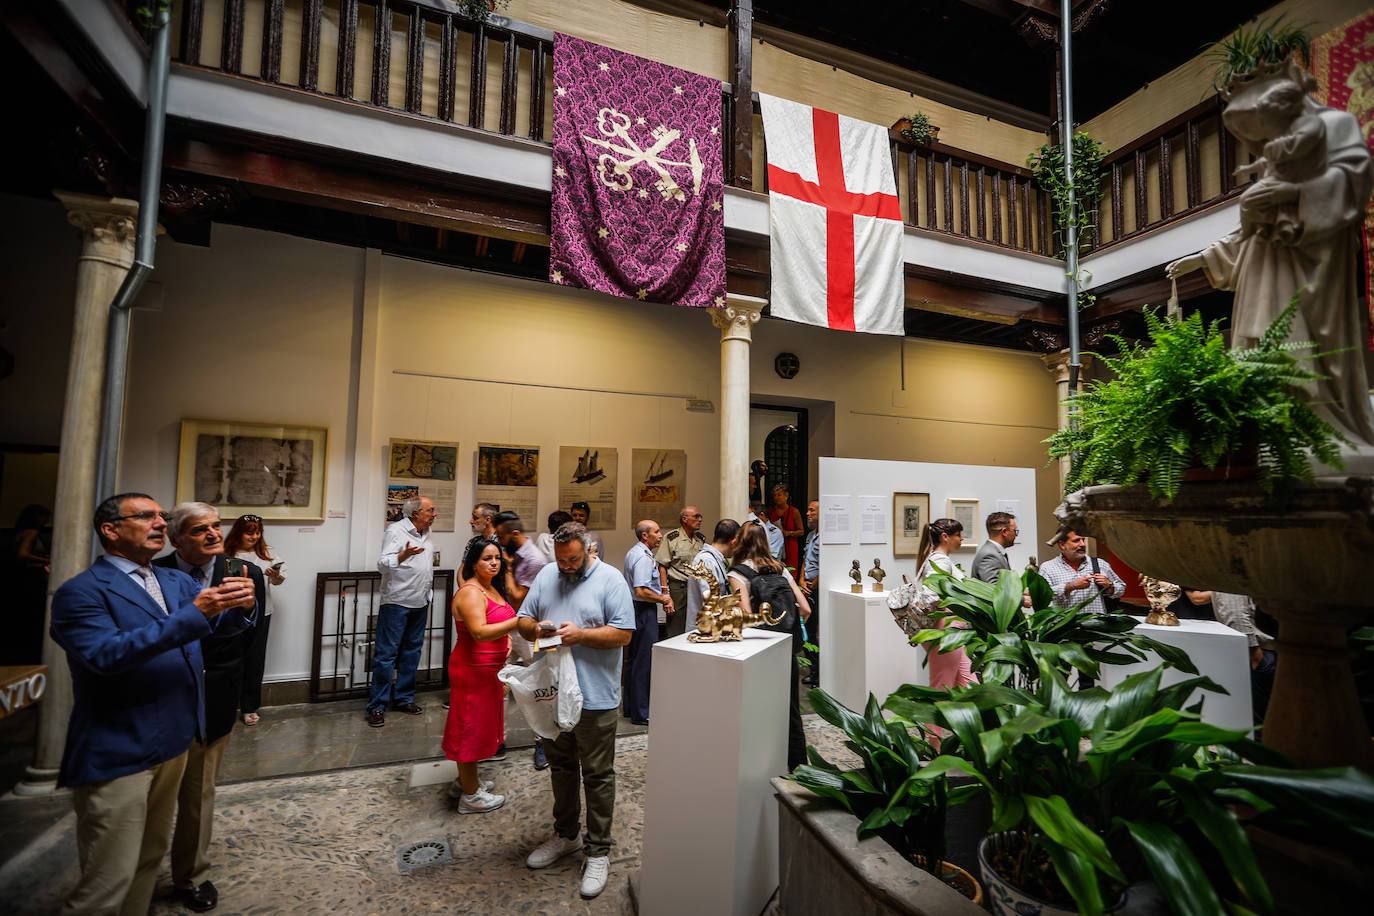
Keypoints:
pixel 406 565
pixel 758 513
pixel 1076 577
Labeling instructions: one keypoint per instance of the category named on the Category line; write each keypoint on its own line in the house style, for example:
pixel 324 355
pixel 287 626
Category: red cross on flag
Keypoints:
pixel 834 222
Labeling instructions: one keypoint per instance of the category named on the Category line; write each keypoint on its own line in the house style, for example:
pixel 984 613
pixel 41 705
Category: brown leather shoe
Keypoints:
pixel 376 718
pixel 410 709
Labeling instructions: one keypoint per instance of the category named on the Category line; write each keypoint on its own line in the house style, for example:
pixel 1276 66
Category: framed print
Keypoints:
pixel 277 472
pixel 910 513
pixel 965 512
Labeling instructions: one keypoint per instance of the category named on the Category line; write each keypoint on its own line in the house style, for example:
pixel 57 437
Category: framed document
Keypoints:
pixel 276 472
pixel 910 514
pixel 965 512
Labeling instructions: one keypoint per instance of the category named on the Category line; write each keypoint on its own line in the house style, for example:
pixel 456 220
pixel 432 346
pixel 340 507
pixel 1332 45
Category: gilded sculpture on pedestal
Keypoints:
pixel 1160 594
pixel 721 619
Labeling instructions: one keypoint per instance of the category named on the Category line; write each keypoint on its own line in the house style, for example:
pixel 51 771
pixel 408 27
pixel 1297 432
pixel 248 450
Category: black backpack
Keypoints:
pixel 774 589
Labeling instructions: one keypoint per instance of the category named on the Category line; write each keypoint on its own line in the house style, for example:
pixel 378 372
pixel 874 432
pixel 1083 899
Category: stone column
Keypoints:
pixel 1058 366
pixel 108 228
pixel 736 321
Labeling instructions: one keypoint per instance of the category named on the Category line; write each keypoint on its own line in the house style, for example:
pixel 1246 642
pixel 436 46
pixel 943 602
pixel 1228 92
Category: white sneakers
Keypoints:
pixel 480 803
pixel 550 851
pixel 594 872
pixel 594 875
pixel 455 788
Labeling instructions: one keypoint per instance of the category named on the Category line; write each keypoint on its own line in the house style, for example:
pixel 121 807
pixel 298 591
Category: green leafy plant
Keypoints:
pixel 1047 167
pixel 479 10
pixel 1100 789
pixel 1187 400
pixel 908 813
pixel 1007 646
pixel 920 131
pixel 1257 47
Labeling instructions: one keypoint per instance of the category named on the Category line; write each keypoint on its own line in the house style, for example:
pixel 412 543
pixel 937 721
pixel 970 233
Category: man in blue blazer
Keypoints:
pixel 132 636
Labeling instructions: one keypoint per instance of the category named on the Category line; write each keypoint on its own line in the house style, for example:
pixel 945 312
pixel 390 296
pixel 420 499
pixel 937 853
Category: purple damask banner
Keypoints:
pixel 638 188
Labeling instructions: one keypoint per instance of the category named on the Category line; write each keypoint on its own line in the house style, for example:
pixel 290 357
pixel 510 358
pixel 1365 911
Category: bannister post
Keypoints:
pixel 741 77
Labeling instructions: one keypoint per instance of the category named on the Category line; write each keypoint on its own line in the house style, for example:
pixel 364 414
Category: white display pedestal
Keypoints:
pixel 1219 653
pixel 718 735
pixel 863 650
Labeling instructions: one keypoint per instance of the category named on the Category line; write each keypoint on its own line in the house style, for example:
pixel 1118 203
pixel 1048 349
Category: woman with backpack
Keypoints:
pixel 759 578
pixel 939 539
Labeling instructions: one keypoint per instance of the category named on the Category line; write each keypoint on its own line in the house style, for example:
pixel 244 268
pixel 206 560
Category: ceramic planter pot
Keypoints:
pixel 1008 900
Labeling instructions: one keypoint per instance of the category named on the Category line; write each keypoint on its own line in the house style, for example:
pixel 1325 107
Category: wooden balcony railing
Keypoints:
pixel 1182 166
pixel 421 57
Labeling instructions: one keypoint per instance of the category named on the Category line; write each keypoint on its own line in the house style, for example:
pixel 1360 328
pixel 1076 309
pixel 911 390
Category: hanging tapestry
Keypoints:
pixel 638 188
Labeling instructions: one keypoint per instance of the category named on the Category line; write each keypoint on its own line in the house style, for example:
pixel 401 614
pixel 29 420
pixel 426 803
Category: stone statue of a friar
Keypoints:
pixel 1299 234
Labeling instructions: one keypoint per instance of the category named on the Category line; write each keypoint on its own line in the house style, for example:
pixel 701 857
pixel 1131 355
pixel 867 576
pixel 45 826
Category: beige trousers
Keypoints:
pixel 195 813
pixel 122 829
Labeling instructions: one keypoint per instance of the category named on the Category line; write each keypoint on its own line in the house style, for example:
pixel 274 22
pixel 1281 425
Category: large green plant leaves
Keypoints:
pixel 1175 869
pixel 1054 817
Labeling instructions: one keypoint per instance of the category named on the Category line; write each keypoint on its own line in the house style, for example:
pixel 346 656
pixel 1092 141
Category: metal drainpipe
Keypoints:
pixel 1071 236
pixel 145 246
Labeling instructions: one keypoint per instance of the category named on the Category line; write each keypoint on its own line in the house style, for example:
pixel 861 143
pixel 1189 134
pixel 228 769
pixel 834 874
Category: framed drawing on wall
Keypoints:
pixel 910 513
pixel 276 472
pixel 965 512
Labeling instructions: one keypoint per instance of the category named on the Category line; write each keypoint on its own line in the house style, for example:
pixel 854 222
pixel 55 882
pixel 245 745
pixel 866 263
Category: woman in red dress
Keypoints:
pixel 477 713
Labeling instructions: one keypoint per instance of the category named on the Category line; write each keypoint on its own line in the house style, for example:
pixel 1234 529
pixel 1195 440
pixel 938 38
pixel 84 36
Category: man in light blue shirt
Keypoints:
pixel 641 575
pixel 588 605
pixel 712 556
pixel 811 556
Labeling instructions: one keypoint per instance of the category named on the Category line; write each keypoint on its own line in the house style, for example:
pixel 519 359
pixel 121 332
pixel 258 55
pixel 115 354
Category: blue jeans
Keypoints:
pixel 400 636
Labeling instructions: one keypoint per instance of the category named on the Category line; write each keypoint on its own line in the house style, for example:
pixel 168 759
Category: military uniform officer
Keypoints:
pixel 675 553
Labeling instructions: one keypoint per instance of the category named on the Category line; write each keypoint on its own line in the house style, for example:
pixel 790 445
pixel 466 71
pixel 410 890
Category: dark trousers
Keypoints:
pixel 677 621
pixel 639 660
pixel 399 639
pixel 813 636
pixel 796 736
pixel 1262 684
pixel 254 661
pixel 585 755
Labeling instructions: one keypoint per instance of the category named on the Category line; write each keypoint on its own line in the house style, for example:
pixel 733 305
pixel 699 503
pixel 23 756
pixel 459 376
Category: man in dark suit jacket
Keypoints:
pixel 196 532
pixel 991 557
pixel 132 636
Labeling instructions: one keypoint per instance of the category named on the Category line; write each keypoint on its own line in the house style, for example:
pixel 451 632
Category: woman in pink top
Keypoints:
pixel 477 714
pixel 939 539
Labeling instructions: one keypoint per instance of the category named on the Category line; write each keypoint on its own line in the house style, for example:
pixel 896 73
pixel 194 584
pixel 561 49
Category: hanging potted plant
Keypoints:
pixel 916 128
pixel 1094 790
pixel 910 815
pixel 1187 401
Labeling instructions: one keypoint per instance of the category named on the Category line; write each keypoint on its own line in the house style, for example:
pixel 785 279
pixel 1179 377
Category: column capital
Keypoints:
pixel 738 316
pixel 1058 364
pixel 108 225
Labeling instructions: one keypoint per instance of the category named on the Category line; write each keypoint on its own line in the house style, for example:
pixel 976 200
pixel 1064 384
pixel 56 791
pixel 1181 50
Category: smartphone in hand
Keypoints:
pixel 233 566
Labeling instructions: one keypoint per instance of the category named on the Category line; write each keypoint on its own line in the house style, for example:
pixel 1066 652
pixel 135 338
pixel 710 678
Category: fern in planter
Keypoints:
pixel 1188 401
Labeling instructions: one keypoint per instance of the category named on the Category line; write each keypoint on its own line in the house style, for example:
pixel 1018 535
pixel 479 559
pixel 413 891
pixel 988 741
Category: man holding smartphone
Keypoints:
pixel 197 535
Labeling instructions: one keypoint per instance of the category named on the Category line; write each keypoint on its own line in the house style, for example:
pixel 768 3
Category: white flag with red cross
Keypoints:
pixel 834 222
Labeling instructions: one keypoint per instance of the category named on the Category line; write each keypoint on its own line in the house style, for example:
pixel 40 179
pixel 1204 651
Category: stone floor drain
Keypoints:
pixel 425 852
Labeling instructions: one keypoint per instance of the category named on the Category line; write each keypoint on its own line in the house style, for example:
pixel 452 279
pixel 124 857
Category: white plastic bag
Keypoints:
pixel 546 691
pixel 535 688
pixel 569 700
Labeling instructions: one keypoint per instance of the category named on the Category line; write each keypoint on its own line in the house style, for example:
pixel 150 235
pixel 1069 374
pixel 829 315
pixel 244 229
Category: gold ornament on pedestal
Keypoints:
pixel 1160 594
pixel 877 574
pixel 721 619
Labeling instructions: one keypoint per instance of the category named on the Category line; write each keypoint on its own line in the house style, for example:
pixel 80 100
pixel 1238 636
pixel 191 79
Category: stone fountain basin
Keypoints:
pixel 1316 548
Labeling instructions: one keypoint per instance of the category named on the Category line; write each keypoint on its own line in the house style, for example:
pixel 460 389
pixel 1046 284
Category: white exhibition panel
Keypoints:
pixel 1219 652
pixel 865 651
pixel 865 477
pixel 710 820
